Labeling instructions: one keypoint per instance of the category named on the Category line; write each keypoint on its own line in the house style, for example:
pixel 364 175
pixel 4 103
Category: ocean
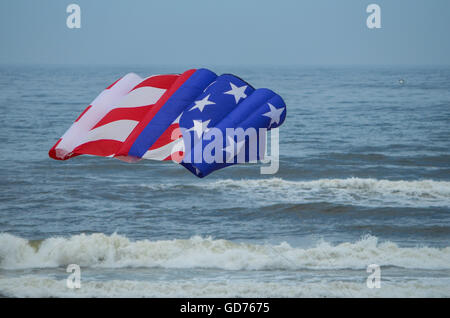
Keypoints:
pixel 364 179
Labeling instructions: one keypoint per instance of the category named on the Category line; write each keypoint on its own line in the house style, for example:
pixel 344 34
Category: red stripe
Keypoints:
pixel 159 81
pixel 165 138
pixel 84 112
pixel 103 147
pixel 131 113
pixel 178 156
pixel 52 152
pixel 137 113
pixel 113 83
pixel 149 116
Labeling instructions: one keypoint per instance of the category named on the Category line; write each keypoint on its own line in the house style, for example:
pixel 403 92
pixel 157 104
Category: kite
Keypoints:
pixel 198 119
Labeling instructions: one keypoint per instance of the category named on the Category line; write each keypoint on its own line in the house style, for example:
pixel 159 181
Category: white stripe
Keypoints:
pixel 165 151
pixel 79 131
pixel 117 130
pixel 141 96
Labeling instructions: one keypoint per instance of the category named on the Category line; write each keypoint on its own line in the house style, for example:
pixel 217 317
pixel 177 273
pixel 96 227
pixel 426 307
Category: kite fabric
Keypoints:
pixel 175 117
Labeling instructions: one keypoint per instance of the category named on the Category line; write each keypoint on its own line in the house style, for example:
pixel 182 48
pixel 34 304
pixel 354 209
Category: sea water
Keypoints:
pixel 364 179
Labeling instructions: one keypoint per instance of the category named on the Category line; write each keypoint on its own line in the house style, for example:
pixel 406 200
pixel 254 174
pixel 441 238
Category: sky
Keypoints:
pixel 231 32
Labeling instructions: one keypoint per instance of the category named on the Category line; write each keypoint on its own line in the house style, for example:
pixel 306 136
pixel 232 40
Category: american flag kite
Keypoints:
pixel 180 117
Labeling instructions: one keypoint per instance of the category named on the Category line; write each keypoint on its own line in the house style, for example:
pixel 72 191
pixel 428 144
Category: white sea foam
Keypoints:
pixel 117 251
pixel 37 286
pixel 368 192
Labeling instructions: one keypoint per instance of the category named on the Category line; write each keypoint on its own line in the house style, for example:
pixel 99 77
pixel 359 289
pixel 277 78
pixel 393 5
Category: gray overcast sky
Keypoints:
pixel 231 32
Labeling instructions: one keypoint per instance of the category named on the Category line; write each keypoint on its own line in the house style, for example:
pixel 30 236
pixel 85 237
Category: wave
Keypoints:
pixel 117 251
pixel 359 191
pixel 36 286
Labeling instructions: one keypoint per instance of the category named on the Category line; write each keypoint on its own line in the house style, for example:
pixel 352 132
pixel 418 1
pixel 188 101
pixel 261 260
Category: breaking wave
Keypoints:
pixel 364 191
pixel 35 286
pixel 117 251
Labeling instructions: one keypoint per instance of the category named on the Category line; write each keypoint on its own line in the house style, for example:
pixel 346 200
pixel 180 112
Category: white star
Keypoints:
pixel 230 148
pixel 237 92
pixel 200 104
pixel 274 114
pixel 200 127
